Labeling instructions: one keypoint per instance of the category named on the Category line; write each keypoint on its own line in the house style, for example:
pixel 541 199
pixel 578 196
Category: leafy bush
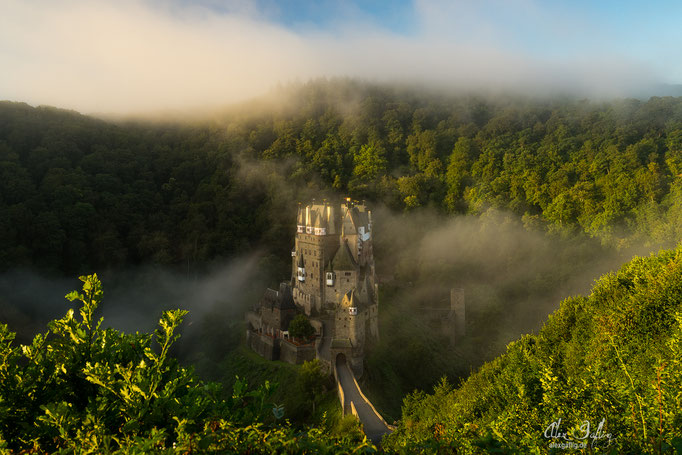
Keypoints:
pixel 79 388
pixel 300 327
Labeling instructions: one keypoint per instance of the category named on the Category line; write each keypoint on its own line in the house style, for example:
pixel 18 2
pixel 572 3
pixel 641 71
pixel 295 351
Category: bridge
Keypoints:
pixel 353 401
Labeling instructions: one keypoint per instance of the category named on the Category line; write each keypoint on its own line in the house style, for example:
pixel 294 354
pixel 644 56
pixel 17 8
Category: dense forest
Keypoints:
pixel 79 193
pixel 518 201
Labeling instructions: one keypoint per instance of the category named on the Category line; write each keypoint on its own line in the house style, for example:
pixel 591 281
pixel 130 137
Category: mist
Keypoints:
pixel 134 299
pixel 513 274
pixel 505 264
pixel 136 56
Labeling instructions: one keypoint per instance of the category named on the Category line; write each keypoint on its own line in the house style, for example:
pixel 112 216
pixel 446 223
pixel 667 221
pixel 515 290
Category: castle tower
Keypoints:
pixel 333 282
pixel 315 244
pixel 333 276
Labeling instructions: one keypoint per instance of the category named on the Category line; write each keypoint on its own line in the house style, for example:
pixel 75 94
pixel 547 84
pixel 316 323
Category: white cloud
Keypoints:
pixel 132 55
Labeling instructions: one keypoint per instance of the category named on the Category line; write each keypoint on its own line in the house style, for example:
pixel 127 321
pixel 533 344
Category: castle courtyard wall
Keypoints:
pixel 291 353
pixel 264 345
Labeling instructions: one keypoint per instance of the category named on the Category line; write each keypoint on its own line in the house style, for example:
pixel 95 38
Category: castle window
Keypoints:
pixel 348 273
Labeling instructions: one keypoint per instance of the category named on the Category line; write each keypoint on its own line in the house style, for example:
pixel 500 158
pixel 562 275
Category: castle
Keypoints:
pixel 333 282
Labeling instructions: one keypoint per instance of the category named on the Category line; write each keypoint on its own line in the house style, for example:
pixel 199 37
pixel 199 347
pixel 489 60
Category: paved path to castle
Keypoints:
pixel 375 427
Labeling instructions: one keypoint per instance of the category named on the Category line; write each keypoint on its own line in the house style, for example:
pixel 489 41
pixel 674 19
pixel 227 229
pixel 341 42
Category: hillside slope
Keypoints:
pixel 95 194
pixel 613 357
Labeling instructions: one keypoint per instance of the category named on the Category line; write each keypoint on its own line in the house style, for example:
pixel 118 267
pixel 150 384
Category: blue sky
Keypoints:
pixel 397 16
pixel 131 55
pixel 648 31
pixel 627 26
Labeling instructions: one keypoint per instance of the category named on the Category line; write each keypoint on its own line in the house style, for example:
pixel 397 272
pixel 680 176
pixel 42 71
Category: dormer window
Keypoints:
pixel 364 234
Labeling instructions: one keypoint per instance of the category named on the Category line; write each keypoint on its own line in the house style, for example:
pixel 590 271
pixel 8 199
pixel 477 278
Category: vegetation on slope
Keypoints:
pixel 91 194
pixel 78 193
pixel 82 389
pixel 615 356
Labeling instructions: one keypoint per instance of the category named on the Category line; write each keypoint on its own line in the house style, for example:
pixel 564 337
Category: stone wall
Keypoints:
pixel 355 361
pixel 263 345
pixel 344 282
pixel 291 353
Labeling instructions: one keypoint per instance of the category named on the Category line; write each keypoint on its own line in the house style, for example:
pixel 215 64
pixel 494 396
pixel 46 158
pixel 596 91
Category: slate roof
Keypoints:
pixel 348 225
pixel 281 300
pixel 321 220
pixel 343 259
pixel 362 218
pixel 269 299
pixel 286 301
pixel 354 299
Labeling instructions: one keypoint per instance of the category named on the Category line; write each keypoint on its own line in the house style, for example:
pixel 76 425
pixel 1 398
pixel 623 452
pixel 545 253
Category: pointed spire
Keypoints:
pixel 300 220
pixel 352 297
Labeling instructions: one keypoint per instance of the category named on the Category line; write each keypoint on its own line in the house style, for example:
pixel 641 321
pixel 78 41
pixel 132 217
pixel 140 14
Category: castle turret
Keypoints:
pixel 330 276
pixel 300 219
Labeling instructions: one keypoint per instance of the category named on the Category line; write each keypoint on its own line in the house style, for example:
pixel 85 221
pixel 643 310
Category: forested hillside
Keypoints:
pixel 518 201
pixel 78 193
pixel 613 358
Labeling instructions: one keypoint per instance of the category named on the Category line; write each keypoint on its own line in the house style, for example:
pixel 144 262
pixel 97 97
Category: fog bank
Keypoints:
pixel 134 56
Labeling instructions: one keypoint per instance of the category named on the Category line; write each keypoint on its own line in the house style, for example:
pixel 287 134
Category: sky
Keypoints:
pixel 133 56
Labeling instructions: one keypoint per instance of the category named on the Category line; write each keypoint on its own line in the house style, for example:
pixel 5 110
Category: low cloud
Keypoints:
pixel 134 299
pixel 513 276
pixel 132 56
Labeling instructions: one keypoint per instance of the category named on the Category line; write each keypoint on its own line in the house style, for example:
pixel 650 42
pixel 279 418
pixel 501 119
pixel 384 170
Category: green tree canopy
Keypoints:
pixel 300 327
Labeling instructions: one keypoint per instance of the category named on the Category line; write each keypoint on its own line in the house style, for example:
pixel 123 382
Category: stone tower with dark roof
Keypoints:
pixel 333 274
pixel 333 282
